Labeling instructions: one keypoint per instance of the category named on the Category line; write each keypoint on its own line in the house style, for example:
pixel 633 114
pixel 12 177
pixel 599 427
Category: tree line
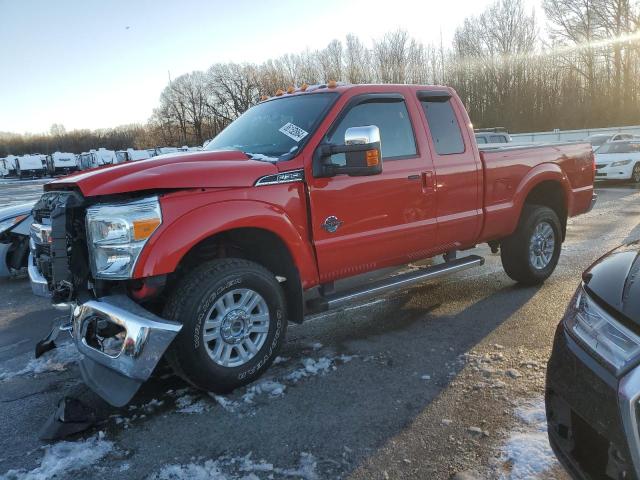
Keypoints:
pixel 580 70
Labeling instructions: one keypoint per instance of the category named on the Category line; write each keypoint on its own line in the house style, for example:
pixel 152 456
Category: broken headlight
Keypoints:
pixel 117 233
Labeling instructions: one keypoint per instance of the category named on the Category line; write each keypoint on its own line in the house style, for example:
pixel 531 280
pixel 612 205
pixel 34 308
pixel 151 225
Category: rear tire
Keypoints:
pixel 234 319
pixel 530 255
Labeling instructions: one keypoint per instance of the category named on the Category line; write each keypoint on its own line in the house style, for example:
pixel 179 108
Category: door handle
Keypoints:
pixel 427 181
pixel 413 177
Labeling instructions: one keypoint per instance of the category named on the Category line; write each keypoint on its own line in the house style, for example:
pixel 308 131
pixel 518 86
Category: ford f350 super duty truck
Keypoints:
pixel 203 258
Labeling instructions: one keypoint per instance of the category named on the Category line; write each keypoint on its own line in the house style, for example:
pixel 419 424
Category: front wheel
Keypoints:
pixel 234 319
pixel 531 254
pixel 635 175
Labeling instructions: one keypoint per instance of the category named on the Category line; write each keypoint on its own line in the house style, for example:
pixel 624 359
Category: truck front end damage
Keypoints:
pixel 121 341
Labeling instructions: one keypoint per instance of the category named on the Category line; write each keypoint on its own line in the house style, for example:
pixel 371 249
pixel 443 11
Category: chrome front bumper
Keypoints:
pixel 39 284
pixel 141 342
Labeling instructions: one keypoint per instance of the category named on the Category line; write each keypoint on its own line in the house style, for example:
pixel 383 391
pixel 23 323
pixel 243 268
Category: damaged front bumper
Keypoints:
pixel 121 342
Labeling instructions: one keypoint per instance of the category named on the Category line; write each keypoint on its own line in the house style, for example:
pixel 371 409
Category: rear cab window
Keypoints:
pixel 443 123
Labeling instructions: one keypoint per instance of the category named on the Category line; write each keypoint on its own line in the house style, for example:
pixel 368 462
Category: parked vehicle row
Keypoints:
pixel 61 163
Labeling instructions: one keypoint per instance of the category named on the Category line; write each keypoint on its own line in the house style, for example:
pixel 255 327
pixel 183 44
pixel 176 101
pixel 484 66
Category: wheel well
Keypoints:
pixel 257 245
pixel 550 194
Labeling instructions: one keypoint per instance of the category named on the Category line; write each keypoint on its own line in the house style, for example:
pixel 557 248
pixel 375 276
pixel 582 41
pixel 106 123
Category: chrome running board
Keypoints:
pixel 338 299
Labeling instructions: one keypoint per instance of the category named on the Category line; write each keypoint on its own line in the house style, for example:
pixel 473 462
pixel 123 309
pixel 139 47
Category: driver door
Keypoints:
pixel 364 223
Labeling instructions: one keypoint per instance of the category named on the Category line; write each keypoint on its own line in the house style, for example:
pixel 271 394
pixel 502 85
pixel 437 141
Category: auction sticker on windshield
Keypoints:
pixel 293 131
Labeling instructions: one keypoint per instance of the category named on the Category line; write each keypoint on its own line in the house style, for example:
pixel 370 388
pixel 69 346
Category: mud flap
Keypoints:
pixel 71 417
pixel 116 389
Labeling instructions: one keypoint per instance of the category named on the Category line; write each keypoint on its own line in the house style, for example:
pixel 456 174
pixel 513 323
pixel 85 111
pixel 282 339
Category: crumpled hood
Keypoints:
pixel 615 279
pixel 183 170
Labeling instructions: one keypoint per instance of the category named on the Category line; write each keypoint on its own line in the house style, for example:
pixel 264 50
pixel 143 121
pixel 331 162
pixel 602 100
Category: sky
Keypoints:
pixel 98 64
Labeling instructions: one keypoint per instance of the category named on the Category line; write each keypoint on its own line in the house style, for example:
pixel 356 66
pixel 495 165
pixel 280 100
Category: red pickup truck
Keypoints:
pixel 204 258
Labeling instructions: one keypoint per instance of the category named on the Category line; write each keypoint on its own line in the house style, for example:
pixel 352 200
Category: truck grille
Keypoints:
pixel 57 241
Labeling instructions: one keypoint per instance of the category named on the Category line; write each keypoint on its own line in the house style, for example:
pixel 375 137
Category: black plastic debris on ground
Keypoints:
pixel 71 417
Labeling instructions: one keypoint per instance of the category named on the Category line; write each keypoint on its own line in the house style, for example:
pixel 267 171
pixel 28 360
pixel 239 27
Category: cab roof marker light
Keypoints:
pixel 303 87
pixel 279 92
pixel 291 89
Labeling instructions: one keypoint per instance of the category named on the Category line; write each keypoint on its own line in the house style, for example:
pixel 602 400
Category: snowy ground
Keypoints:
pixel 444 381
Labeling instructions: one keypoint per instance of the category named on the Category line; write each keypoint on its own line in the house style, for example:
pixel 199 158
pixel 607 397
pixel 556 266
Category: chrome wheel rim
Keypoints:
pixel 236 327
pixel 542 246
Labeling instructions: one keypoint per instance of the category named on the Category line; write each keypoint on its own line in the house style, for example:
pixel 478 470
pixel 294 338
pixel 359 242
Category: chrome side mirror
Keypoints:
pixel 362 135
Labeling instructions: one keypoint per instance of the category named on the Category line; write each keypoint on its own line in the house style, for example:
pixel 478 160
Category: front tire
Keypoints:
pixel 234 319
pixel 531 254
pixel 635 175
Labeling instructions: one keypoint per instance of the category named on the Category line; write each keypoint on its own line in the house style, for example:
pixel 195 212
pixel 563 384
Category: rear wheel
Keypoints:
pixel 531 254
pixel 635 175
pixel 234 321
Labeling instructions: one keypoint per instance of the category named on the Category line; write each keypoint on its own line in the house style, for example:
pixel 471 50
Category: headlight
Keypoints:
pixel 10 222
pixel 620 163
pixel 608 338
pixel 117 233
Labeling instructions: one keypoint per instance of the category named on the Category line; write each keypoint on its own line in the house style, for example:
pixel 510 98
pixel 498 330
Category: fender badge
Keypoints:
pixel 331 224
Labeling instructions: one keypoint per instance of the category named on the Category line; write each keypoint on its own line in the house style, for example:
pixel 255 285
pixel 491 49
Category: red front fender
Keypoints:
pixel 180 232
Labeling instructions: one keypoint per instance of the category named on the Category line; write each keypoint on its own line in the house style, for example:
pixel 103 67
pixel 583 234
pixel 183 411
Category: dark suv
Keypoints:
pixel 593 376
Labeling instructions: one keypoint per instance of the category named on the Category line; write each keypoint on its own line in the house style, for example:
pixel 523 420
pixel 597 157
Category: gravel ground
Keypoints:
pixel 441 381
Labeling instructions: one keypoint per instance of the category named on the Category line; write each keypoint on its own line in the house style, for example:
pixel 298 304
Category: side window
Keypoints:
pixel 444 127
pixel 497 139
pixel 391 117
pixel 481 139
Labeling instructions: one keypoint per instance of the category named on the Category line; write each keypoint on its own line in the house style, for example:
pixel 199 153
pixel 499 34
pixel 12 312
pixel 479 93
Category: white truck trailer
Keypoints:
pixel 131 155
pixel 97 158
pixel 61 163
pixel 30 166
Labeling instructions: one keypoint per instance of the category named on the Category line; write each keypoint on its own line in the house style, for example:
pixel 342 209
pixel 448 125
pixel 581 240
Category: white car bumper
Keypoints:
pixel 607 172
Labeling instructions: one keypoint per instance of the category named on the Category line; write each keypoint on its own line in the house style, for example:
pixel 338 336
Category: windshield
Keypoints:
pixel 275 130
pixel 625 147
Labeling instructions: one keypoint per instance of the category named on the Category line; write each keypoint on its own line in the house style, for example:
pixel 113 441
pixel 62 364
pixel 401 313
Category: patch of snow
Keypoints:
pixel 209 470
pixel 228 405
pixel 425 377
pixel 262 158
pixel 187 404
pixel 65 457
pixel 237 468
pixel 152 405
pixel 274 389
pixel 527 453
pixel 56 360
pixel 279 359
